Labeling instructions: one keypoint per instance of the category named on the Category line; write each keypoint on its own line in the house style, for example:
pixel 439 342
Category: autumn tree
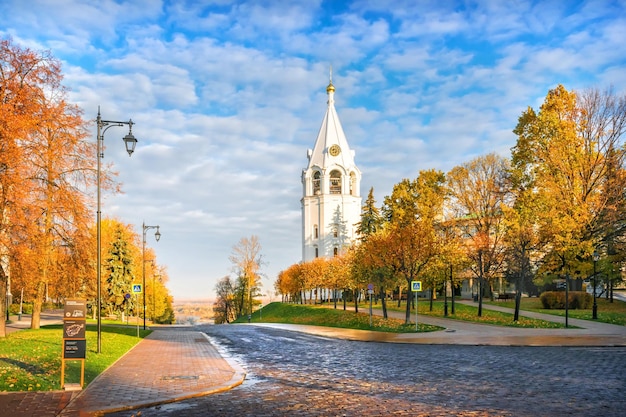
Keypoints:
pixel 571 154
pixel 451 258
pixel 370 261
pixel 290 284
pixel 604 115
pixel 337 274
pixel 224 307
pixel 247 260
pixel 478 190
pixel 412 211
pixel 159 299
pixel 44 138
pixel 313 273
pixel 60 164
pixel 522 241
pixel 22 75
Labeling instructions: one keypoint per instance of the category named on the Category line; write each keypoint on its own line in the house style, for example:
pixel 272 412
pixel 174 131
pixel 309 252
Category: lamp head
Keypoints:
pixel 596 256
pixel 129 140
pixel 157 234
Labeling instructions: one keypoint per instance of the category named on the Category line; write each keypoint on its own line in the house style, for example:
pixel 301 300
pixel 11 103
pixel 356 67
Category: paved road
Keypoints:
pixel 298 374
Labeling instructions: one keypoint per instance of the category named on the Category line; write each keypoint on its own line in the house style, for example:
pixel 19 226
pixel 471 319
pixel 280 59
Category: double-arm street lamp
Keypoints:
pixel 130 142
pixel 157 236
pixel 596 257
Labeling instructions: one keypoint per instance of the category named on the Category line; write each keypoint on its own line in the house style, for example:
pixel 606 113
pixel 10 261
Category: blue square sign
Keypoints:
pixel 416 286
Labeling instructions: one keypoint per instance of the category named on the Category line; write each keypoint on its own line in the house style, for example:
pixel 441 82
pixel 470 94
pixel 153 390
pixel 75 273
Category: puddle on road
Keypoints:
pixel 250 379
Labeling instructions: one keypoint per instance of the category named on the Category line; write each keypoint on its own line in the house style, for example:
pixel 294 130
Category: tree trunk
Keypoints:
pixel 452 287
pixel 407 318
pixel 432 296
pixel 383 298
pixel 480 296
pixel 356 301
pixel 518 302
pixel 400 296
pixel 35 322
pixel 3 302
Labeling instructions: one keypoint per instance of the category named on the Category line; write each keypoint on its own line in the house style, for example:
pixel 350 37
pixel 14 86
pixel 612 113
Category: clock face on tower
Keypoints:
pixel 334 150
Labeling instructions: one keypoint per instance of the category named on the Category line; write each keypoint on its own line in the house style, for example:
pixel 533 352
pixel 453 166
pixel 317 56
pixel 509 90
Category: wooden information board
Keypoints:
pixel 74 341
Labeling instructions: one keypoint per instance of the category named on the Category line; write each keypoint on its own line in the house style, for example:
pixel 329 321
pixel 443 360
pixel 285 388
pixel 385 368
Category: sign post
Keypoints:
pixel 416 286
pixel 126 303
pixel 74 341
pixel 370 291
pixel 137 290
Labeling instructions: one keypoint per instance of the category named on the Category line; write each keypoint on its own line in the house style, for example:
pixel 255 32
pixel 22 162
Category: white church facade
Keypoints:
pixel 331 198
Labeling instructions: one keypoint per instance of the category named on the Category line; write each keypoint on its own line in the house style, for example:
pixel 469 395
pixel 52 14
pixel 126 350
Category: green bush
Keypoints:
pixel 555 300
pixel 27 308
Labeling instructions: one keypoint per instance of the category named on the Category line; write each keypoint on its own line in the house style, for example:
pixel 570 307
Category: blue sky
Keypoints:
pixel 227 97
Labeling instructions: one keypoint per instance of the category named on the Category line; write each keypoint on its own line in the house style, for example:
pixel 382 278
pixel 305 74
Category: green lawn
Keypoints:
pixel 470 313
pixel 326 315
pixel 30 360
pixel 613 313
pixel 323 316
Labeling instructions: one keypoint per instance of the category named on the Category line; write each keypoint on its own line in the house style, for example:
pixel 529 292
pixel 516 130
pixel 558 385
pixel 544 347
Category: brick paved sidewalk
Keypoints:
pixel 166 366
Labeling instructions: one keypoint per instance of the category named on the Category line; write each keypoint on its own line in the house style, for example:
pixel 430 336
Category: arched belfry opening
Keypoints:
pixel 335 182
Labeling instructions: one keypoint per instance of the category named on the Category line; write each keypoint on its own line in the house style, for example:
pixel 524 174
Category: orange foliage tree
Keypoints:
pixel 47 177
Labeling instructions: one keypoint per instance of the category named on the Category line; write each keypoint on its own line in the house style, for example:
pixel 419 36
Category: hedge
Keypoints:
pixel 555 300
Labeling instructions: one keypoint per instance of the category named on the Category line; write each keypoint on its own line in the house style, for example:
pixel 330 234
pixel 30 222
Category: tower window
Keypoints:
pixel 317 252
pixel 335 232
pixel 335 251
pixel 335 182
pixel 316 183
pixel 316 232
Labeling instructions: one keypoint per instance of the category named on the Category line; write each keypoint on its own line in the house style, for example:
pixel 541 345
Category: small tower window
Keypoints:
pixel 317 252
pixel 316 183
pixel 335 251
pixel 335 182
pixel 335 232
pixel 352 184
pixel 316 232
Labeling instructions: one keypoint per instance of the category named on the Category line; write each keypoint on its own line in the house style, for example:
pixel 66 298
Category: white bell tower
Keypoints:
pixel 331 198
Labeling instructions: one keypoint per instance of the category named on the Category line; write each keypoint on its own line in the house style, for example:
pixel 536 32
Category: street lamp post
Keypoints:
pixel 130 142
pixel 154 296
pixel 3 252
pixel 596 257
pixel 445 295
pixel 157 236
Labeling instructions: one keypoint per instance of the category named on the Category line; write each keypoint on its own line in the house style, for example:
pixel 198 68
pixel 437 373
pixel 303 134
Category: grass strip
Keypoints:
pixel 323 316
pixel 608 312
pixel 30 360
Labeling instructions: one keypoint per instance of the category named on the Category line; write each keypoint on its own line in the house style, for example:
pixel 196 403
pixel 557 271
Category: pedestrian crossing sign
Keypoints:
pixel 416 286
pixel 137 288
